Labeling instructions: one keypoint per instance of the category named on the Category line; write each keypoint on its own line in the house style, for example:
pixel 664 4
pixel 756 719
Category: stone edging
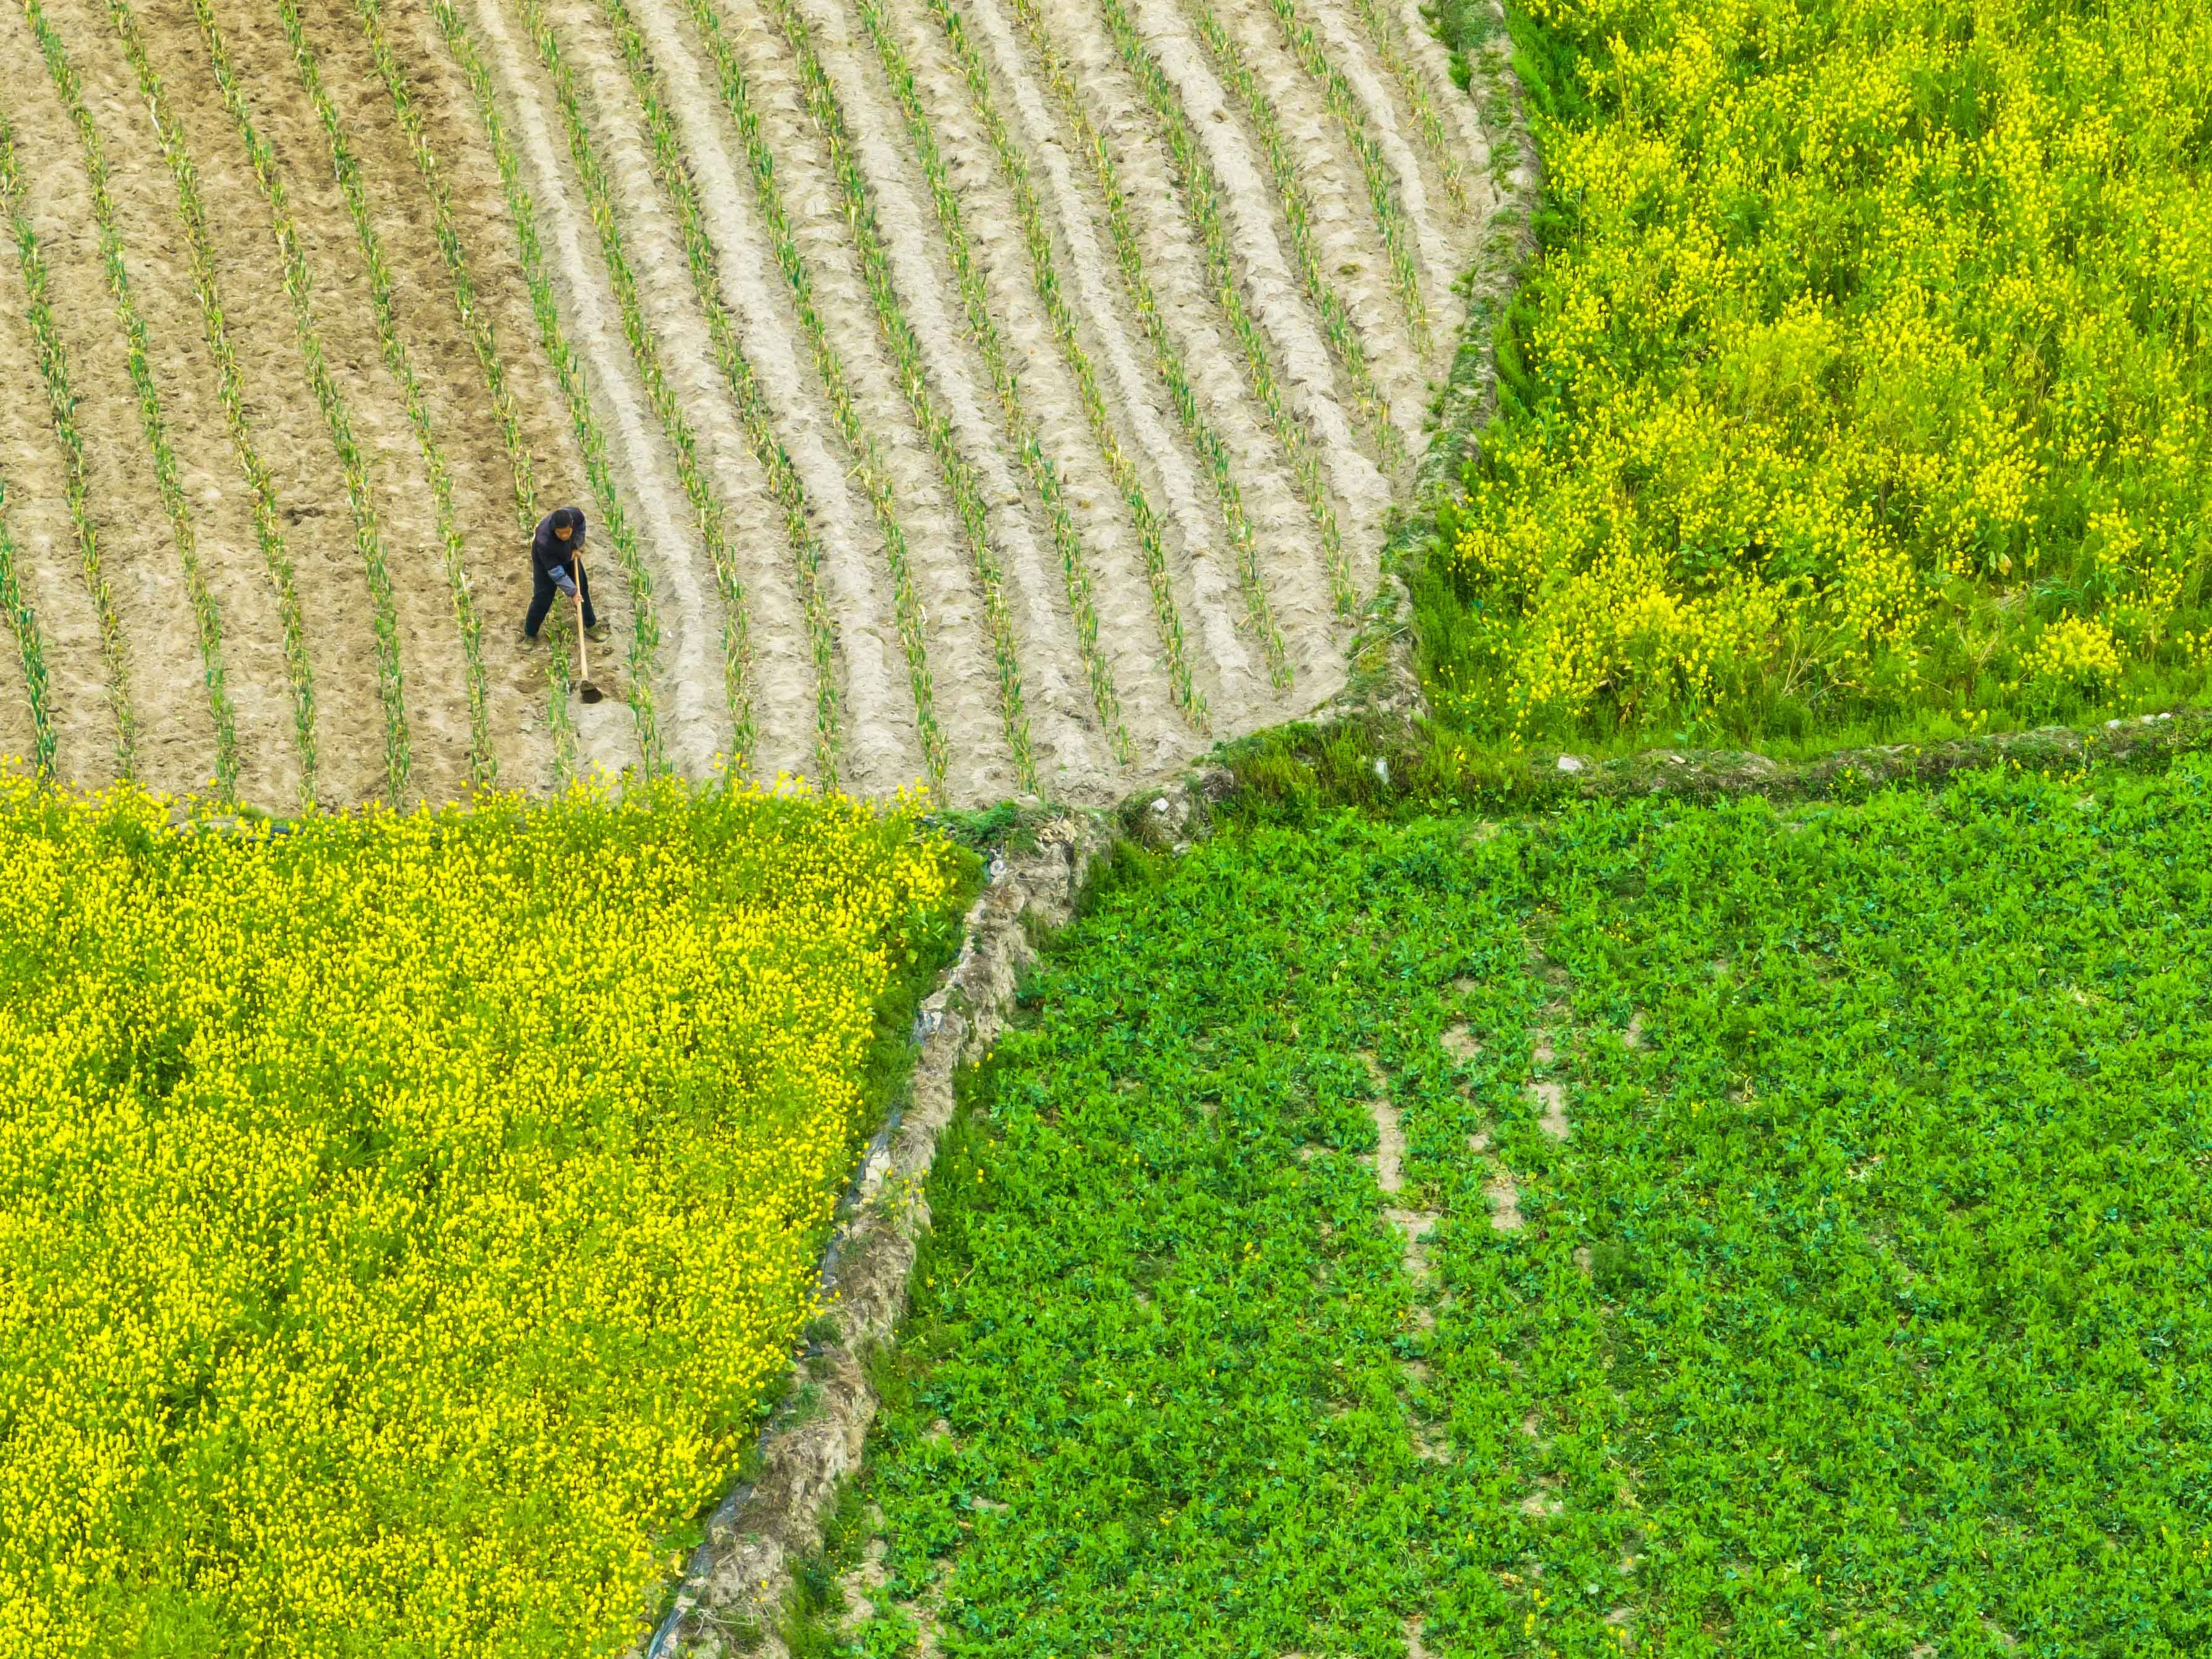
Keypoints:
pixel 736 1585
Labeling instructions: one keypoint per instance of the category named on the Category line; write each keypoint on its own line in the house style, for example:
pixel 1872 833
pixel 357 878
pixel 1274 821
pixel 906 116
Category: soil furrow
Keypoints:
pixel 461 415
pixel 1114 113
pixel 289 434
pixel 1462 122
pixel 866 401
pixel 218 514
pixel 485 290
pixel 1074 758
pixel 1350 246
pixel 1239 687
pixel 882 750
pixel 46 561
pixel 785 723
pixel 1275 297
pixel 686 673
pixel 436 692
pixel 26 718
pixel 1390 124
pixel 1129 631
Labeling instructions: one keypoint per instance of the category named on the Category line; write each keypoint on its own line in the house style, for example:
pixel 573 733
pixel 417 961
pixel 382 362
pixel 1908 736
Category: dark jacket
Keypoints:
pixel 551 557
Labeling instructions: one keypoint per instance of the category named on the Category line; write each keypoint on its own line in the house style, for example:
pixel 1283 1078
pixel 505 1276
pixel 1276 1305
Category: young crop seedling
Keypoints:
pixel 483 763
pixel 482 342
pixel 191 215
pixel 206 617
pixel 961 483
pixel 645 631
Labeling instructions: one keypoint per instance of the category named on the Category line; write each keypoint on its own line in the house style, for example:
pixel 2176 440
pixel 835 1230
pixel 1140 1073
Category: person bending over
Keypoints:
pixel 556 565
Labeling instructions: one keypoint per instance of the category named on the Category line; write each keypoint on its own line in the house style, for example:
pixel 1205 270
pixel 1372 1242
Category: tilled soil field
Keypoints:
pixel 1004 398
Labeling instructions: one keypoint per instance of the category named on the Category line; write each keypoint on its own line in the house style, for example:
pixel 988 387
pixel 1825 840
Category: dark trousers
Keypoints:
pixel 543 594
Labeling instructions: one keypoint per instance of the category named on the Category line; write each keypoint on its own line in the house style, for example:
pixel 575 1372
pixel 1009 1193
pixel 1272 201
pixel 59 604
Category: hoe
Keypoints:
pixel 589 692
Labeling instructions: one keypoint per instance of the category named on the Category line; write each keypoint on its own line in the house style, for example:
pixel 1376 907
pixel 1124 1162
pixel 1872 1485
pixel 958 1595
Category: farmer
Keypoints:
pixel 554 565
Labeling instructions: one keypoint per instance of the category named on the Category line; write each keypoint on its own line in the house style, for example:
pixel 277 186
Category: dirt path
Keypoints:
pixel 1273 293
pixel 221 501
pixel 881 748
pixel 1128 631
pixel 1074 761
pixel 429 636
pixel 1289 553
pixel 165 685
pixel 688 677
pixel 462 418
pixel 1227 664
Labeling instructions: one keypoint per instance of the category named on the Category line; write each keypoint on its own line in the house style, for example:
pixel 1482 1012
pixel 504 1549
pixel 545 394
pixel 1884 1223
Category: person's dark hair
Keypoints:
pixel 565 518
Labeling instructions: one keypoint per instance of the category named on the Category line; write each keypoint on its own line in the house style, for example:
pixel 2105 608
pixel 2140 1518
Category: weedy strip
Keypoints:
pixel 1202 194
pixel 483 342
pixel 206 617
pixel 1045 279
pixel 61 406
pixel 645 351
pixel 959 475
pixel 1337 326
pixel 22 624
pixel 569 371
pixel 192 214
pixel 828 118
pixel 784 481
pixel 483 765
pixel 1382 189
pixel 1167 359
pixel 367 534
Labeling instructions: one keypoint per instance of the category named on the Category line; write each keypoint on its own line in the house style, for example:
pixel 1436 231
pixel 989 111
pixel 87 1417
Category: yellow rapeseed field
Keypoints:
pixel 402 1218
pixel 1861 376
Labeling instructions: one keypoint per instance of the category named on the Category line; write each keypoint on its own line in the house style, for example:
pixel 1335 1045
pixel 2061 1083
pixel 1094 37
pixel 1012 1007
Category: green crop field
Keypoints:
pixel 1678 1230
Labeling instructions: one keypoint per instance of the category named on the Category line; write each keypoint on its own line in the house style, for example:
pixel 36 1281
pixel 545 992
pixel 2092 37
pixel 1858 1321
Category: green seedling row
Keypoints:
pixel 61 404
pixel 1167 355
pixel 483 765
pixel 960 481
pixel 1297 213
pixel 367 533
pixel 22 624
pixel 206 617
pixel 1381 192
pixel 1202 194
pixel 784 481
pixel 192 214
pixel 645 352
pixel 1259 616
pixel 821 103
pixel 1389 43
pixel 484 343
pixel 1045 279
pixel 569 370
